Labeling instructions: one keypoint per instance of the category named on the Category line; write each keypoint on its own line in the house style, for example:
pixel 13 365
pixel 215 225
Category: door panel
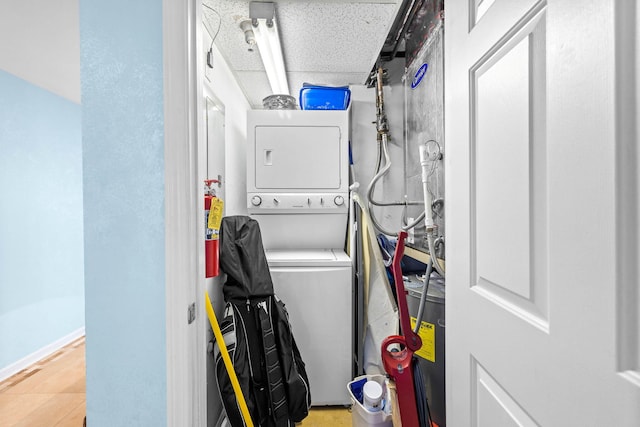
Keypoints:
pixel 478 10
pixel 508 172
pixel 492 405
pixel 502 150
pixel 530 124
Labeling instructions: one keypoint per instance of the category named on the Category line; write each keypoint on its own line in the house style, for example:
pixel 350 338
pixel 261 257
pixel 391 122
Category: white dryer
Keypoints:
pixel 298 177
pixel 315 286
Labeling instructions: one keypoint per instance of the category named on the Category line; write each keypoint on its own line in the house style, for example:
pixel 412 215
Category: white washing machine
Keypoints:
pixel 315 286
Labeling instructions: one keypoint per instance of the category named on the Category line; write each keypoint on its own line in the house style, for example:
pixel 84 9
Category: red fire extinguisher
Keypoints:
pixel 212 218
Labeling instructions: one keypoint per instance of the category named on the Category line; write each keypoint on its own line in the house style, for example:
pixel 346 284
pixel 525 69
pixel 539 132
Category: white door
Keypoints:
pixel 542 291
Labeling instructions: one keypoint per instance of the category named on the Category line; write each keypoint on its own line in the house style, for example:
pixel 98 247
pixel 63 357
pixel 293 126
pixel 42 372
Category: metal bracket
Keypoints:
pixel 262 10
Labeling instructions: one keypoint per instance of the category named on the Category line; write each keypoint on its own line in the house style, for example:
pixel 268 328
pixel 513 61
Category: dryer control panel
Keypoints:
pixel 296 203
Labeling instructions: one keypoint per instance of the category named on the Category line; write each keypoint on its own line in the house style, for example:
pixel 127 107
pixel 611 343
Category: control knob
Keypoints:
pixel 338 200
pixel 256 200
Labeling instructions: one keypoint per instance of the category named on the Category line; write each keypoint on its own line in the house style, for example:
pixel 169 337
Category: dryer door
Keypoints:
pixel 297 157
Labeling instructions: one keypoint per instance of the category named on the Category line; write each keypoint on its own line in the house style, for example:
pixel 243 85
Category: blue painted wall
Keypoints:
pixel 123 150
pixel 41 247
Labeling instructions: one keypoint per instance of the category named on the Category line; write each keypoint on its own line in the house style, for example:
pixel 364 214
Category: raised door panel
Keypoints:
pixel 508 183
pixel 492 405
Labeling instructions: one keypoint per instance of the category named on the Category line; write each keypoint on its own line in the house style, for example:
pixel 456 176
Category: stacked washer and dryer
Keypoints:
pixel 298 191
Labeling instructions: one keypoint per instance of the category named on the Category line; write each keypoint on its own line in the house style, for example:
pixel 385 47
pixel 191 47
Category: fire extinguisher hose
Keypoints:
pixel 217 333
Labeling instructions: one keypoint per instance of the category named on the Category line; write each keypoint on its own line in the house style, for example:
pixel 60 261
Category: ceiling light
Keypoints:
pixel 265 30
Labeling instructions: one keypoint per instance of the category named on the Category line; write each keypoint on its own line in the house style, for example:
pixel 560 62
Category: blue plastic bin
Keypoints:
pixel 324 97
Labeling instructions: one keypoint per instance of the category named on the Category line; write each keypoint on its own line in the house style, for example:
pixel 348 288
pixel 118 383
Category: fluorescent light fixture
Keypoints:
pixel 265 30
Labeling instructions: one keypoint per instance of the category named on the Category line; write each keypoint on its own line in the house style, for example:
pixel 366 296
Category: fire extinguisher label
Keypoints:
pixel 427 334
pixel 215 217
pixel 208 232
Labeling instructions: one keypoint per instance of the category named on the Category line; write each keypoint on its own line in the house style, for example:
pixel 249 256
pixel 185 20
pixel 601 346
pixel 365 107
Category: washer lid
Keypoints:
pixel 307 258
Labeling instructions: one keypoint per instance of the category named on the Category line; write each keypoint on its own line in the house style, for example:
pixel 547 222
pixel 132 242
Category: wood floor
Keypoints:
pixel 51 393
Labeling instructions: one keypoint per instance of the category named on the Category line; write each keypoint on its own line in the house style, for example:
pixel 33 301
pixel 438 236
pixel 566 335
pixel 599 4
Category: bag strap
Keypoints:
pixel 277 392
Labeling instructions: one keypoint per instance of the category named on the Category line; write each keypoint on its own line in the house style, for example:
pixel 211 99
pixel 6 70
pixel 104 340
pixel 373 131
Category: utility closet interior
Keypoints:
pixel 320 212
pixel 324 209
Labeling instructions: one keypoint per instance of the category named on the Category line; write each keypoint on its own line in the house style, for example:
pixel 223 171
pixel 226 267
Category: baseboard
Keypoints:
pixel 45 351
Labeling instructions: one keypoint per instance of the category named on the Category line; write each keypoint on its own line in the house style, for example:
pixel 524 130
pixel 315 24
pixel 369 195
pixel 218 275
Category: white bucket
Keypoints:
pixel 371 416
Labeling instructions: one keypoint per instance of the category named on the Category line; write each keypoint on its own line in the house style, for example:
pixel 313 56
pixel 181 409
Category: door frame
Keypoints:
pixel 184 253
pixel 627 104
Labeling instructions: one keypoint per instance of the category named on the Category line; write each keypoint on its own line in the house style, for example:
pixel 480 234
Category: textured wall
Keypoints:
pixel 41 259
pixel 123 150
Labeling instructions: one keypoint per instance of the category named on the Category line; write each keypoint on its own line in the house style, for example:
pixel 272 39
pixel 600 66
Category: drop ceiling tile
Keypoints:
pixel 332 42
pixel 333 37
pixel 224 24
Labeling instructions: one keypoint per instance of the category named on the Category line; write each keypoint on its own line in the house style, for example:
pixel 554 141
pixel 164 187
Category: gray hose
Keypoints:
pixel 380 173
pixel 383 148
pixel 433 254
pixel 423 298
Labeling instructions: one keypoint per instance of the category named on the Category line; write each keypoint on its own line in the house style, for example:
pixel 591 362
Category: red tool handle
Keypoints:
pixel 398 359
pixel 398 364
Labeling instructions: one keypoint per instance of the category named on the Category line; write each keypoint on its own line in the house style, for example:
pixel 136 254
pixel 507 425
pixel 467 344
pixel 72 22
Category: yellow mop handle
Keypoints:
pixel 217 333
